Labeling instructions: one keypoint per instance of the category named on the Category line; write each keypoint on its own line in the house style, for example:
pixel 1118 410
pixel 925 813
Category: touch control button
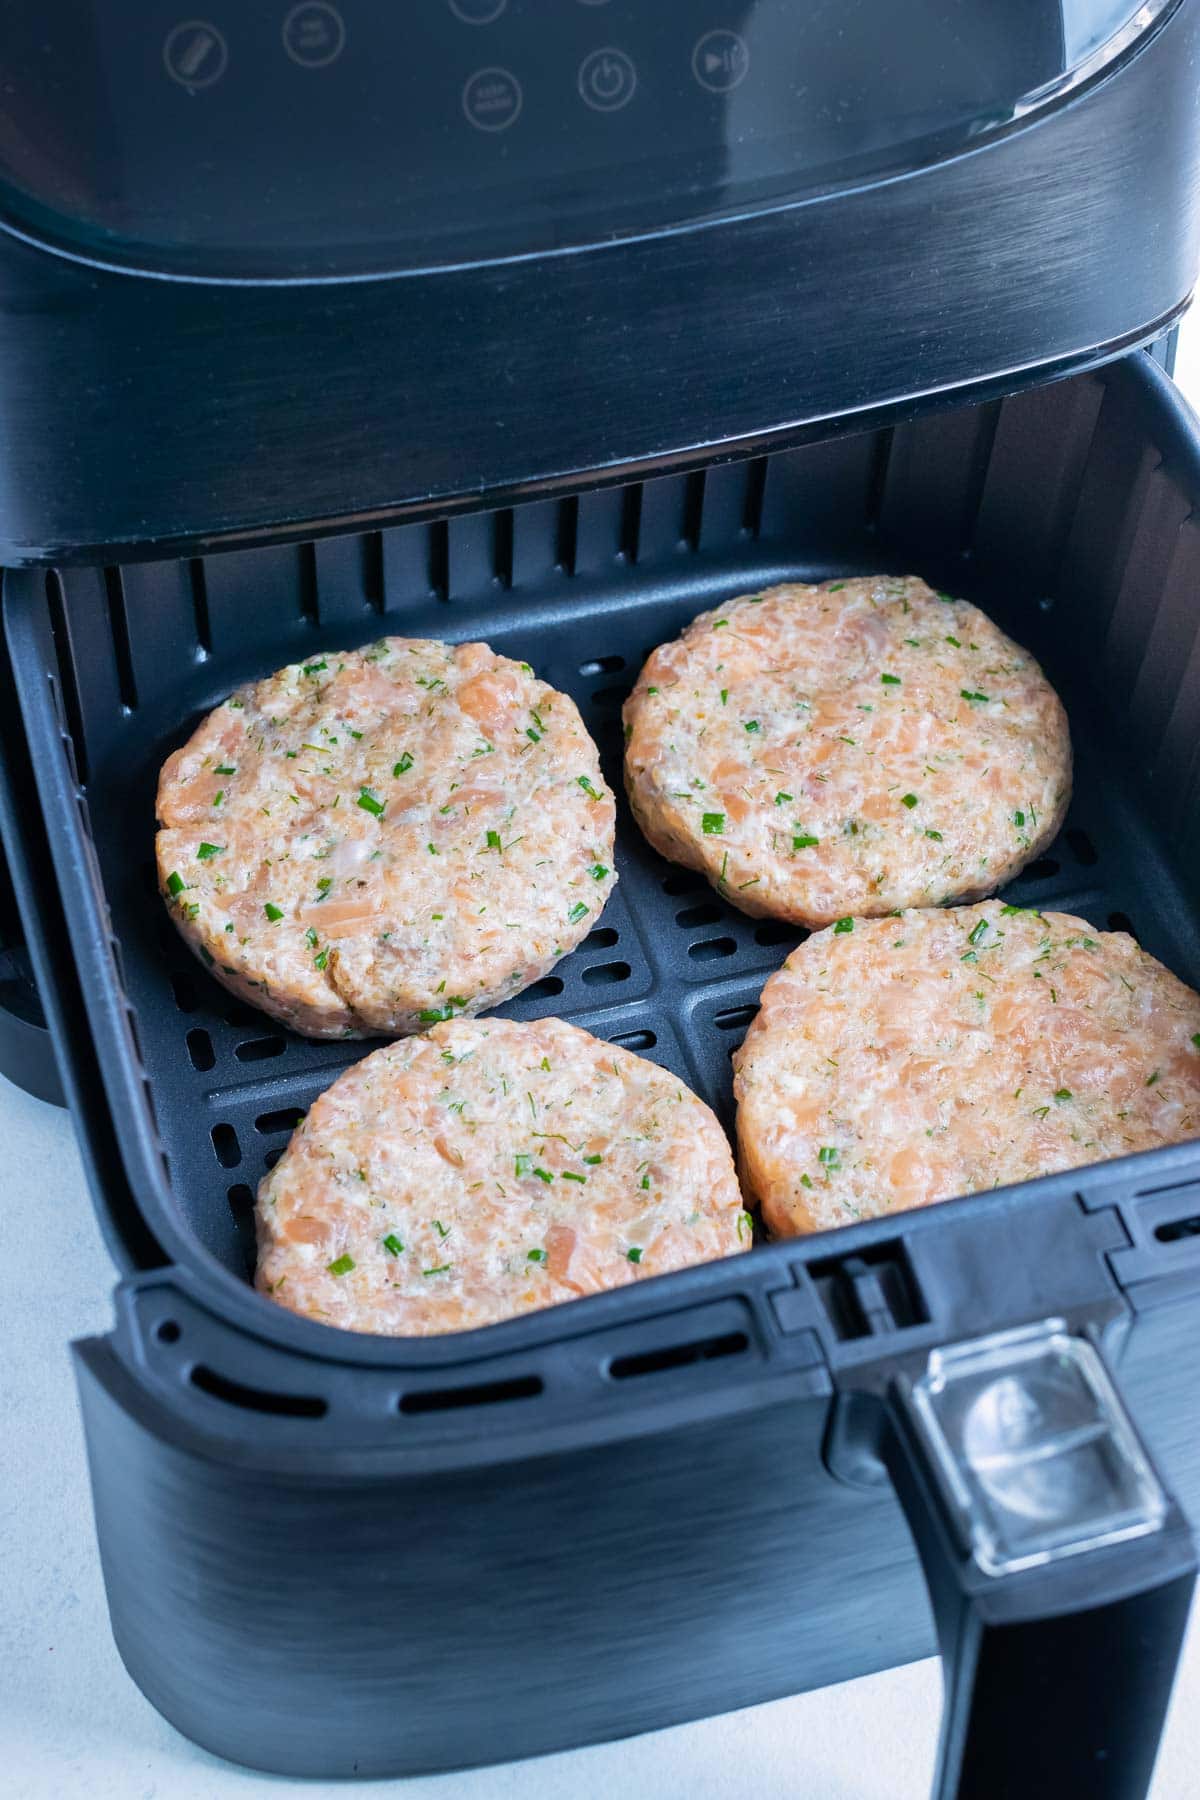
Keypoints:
pixel 607 80
pixel 721 61
pixel 195 54
pixel 477 12
pixel 492 99
pixel 314 34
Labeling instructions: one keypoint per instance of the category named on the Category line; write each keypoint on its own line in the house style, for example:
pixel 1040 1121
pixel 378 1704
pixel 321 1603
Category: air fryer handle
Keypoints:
pixel 1056 1676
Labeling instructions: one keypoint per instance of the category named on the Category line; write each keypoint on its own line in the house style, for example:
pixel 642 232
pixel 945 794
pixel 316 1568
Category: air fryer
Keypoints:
pixel 552 325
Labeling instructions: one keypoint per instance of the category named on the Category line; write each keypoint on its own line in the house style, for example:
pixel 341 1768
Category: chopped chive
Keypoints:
pixel 175 884
pixel 535 1256
pixel 652 690
pixel 404 765
pixel 1196 1039
pixel 752 725
pixel 781 799
pixel 829 1156
pixel 315 669
pixel 392 1244
pixel 207 851
pixel 587 787
pixel 598 871
pixel 437 1015
pixel 218 796
pixel 968 695
pixel 493 840
pixel 443 1231
pixel 935 835
pixel 645 1181
pixel 370 802
pixel 1019 820
pixel 225 769
pixel 843 925
pixel 570 1175
pixel 353 734
pixel 835 587
pixel 954 641
pixel 909 800
pixel 745 1225
pixel 712 824
pixel 980 932
pixel 804 842
pixel 544 1175
pixel 310 938
pixel 577 912
pixel 341 1265
pixel 321 960
pixel 890 680
pixel 806 1181
pixel 717 623
pixel 522 1165
pixel 273 912
pixel 968 956
pixel 324 884
pixel 1040 1112
pixel 1151 1079
pixel 535 737
pixel 634 1254
pixel 1061 1094
pixel 724 695
pixel 442 1269
pixel 593 1159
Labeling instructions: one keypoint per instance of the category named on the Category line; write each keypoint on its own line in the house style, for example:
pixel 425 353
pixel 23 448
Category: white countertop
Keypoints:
pixel 71 1721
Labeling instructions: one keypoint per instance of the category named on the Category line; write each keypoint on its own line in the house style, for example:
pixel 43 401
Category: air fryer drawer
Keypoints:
pixel 619 1513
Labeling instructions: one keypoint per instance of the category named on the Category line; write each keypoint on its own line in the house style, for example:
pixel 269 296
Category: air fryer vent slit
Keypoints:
pixel 487 1393
pixel 678 1356
pixel 310 607
pixel 68 680
pixel 118 623
pixel 252 1399
pixel 199 587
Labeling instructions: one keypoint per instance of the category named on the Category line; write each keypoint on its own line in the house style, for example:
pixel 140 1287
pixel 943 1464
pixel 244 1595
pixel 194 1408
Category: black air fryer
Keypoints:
pixel 552 322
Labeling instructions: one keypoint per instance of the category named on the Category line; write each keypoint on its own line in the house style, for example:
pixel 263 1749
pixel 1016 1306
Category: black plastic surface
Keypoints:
pixel 642 1470
pixel 467 128
pixel 140 416
pixel 26 1048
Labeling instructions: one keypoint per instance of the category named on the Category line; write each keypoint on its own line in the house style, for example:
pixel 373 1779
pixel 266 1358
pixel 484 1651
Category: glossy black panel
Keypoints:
pixel 322 139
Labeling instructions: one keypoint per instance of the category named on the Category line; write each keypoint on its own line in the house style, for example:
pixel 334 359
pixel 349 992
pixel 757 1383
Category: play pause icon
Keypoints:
pixel 720 61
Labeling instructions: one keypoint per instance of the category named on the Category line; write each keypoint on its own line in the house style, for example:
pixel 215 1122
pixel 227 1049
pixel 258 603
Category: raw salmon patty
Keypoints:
pixel 847 748
pixel 488 1168
pixel 902 1060
pixel 370 842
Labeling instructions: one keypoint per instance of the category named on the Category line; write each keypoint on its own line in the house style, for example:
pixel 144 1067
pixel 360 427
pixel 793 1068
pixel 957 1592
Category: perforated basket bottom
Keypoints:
pixel 671 970
pixel 1033 507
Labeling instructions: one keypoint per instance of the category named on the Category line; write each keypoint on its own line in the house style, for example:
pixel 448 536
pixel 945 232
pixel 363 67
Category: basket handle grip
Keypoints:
pixel 1059 1570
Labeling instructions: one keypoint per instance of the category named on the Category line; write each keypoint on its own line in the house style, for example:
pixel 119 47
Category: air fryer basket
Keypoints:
pixel 1066 513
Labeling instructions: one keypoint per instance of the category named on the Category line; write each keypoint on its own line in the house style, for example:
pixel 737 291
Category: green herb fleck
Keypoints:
pixel 829 1157
pixel 535 1256
pixel 1061 1094
pixel 392 1244
pixel 842 926
pixel 207 851
pixel 577 912
pixel 909 800
pixel 712 824
pixel 935 835
pixel 781 799
pixel 954 641
pixel 806 1181
pixel 273 912
pixel 544 1175
pixel 404 765
pixel 599 871
pixel 370 802
pixel 442 1269
pixel 226 769
pixel 493 840
pixel 1151 1079
pixel 570 1175
pixel 341 1265
pixel 315 669
pixel 804 842
pixel 321 960
pixel 634 1254
pixel 1019 820
pixel 752 725
pixel 175 884
pixel 890 680
pixel 966 694
pixel 592 1160
pixel 587 787
pixel 979 933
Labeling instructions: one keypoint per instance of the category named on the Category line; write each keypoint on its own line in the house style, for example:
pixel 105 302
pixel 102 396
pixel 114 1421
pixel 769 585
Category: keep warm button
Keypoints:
pixel 607 80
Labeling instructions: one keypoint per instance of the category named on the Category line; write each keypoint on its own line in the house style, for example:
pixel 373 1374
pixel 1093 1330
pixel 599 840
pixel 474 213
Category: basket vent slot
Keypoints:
pixel 678 1356
pixel 487 1393
pixel 259 1400
pixel 871 1292
pixel 1174 1231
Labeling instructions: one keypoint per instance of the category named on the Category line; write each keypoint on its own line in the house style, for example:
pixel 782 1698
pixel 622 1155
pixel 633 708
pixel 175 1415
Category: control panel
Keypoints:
pixel 283 137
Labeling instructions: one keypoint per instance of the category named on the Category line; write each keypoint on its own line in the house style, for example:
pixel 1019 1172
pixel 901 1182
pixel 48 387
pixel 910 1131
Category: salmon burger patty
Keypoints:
pixel 902 1060
pixel 486 1169
pixel 373 841
pixel 847 748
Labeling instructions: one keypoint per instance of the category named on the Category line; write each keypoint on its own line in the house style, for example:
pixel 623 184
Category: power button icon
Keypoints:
pixel 607 80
